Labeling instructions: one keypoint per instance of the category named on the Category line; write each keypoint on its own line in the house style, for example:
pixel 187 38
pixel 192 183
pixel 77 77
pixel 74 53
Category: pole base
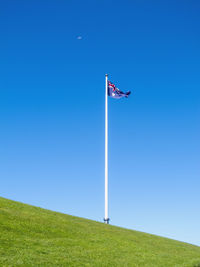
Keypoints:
pixel 106 220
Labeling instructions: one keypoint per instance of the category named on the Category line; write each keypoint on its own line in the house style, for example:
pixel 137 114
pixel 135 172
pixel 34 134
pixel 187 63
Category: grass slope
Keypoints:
pixel 31 236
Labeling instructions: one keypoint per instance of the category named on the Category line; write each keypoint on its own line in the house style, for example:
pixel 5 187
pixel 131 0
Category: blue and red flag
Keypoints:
pixel 114 92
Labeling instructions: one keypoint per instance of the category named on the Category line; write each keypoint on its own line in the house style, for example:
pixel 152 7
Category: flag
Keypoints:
pixel 114 92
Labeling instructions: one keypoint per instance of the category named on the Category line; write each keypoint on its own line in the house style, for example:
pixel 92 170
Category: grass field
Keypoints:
pixel 31 236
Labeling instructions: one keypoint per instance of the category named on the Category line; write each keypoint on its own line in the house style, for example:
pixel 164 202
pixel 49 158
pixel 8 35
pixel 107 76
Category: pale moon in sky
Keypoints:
pixel 79 37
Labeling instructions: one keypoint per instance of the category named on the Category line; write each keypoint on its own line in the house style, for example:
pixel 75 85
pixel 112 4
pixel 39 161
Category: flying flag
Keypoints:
pixel 114 92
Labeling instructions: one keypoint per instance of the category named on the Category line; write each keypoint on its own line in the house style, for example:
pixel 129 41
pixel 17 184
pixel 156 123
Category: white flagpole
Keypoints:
pixel 106 218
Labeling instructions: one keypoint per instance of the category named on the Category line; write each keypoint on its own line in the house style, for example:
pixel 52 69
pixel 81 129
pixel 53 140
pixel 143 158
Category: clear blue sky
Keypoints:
pixel 52 110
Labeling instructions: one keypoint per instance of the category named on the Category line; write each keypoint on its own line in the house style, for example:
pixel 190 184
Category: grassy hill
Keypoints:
pixel 31 236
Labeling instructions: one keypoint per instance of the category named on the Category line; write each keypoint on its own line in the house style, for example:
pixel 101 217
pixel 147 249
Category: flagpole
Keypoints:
pixel 106 218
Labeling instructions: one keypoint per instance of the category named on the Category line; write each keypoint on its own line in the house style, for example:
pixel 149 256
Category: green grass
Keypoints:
pixel 31 236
